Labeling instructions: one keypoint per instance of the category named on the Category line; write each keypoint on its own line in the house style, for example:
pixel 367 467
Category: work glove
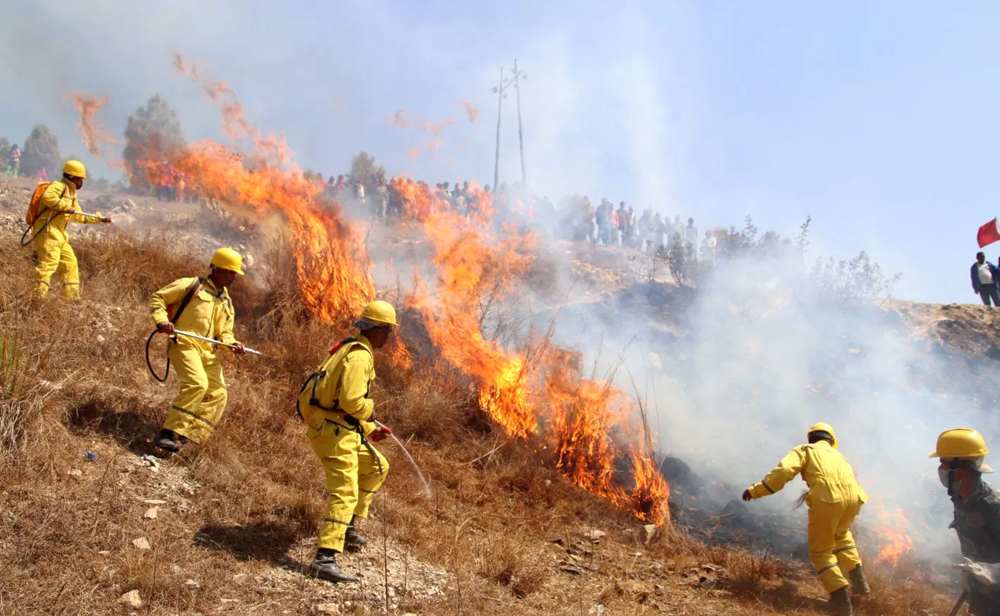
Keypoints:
pixel 747 496
pixel 239 349
pixel 984 573
pixel 380 433
pixel 165 328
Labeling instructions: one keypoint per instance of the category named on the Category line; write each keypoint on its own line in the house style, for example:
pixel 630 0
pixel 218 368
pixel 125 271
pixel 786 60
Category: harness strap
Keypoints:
pixel 47 222
pixel 188 296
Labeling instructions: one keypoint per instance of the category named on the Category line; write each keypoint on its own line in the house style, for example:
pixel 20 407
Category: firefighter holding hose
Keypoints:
pixel 336 406
pixel 49 216
pixel 977 517
pixel 835 499
pixel 199 306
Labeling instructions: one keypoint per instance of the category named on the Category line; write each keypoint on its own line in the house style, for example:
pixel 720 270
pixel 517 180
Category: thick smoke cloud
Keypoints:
pixel 737 371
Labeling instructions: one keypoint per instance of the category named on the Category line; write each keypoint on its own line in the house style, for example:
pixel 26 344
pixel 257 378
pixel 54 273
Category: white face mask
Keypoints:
pixel 943 476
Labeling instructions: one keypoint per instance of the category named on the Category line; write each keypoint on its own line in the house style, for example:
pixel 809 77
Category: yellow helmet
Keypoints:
pixel 74 168
pixel 379 312
pixel 228 259
pixel 960 443
pixel 823 427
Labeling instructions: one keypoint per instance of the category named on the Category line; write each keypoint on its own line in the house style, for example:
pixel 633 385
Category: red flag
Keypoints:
pixel 988 233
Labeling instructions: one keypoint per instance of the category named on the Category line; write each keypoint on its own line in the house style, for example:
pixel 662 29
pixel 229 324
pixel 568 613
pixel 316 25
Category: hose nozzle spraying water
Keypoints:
pixel 427 487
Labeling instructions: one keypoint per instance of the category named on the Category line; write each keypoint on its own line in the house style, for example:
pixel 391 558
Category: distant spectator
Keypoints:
pixel 546 212
pixel 708 247
pixel 644 227
pixel 613 230
pixel 43 175
pixel 14 162
pixel 602 215
pixel 380 204
pixel 985 278
pixel 660 228
pixel 340 188
pixel 691 236
pixel 632 229
pixel 622 223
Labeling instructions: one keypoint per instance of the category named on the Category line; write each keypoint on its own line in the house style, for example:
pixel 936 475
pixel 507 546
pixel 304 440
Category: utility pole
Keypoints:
pixel 496 161
pixel 506 82
pixel 520 135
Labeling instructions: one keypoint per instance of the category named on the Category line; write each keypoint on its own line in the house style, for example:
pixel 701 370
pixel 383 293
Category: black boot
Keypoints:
pixel 859 585
pixel 353 542
pixel 325 567
pixel 840 602
pixel 167 441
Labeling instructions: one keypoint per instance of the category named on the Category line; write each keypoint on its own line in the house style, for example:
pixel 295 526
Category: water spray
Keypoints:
pixel 427 487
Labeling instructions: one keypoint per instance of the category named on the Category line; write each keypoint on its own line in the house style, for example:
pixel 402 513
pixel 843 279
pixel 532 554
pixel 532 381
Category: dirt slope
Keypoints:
pixel 92 523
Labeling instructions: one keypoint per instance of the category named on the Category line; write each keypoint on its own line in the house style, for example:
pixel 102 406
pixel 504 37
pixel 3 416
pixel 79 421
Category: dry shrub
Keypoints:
pixel 117 267
pixel 509 564
pixel 429 408
pixel 21 400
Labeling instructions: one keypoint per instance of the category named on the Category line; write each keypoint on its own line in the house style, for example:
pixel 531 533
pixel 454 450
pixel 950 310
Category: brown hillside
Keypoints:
pixel 90 519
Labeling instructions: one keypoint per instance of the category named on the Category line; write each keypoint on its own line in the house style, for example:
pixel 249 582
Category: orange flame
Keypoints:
pixel 895 536
pixel 537 393
pixel 334 278
pixel 419 124
pixel 94 134
pixel 582 420
pixel 269 148
pixel 471 110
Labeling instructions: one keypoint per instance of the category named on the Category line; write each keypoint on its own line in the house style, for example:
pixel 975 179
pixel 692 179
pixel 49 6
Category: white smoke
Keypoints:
pixel 762 351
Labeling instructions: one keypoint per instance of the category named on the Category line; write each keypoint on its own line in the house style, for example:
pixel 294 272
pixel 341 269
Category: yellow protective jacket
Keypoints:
pixel 339 389
pixel 825 470
pixel 210 312
pixel 59 209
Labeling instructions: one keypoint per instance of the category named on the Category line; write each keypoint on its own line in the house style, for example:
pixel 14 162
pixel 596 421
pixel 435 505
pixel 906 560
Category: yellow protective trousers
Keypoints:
pixel 56 255
pixel 831 544
pixel 354 473
pixel 199 404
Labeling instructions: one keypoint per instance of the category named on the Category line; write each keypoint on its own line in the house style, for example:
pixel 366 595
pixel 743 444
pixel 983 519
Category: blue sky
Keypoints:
pixel 877 119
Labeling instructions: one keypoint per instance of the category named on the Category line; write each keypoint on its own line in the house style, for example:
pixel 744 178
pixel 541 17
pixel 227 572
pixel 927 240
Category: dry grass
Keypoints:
pixel 243 508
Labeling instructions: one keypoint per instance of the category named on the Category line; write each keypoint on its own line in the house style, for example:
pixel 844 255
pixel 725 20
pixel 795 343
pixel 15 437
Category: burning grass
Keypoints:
pixel 241 511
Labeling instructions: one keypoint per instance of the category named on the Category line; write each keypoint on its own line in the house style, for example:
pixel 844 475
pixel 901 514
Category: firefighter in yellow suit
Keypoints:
pixel 835 498
pixel 336 407
pixel 202 307
pixel 58 208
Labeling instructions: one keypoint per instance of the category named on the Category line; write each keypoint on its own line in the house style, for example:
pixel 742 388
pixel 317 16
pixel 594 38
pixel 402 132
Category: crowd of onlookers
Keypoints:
pixel 516 206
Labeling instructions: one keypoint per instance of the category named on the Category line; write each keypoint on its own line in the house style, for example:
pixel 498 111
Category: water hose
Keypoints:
pixel 177 332
pixel 48 222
